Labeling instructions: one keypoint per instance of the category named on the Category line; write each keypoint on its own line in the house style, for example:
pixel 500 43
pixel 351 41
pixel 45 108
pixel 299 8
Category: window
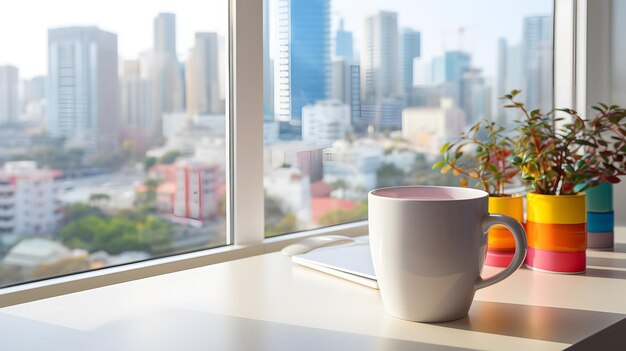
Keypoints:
pixel 360 95
pixel 292 173
pixel 113 122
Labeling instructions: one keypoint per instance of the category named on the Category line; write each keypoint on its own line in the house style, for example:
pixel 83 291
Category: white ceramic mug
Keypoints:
pixel 428 247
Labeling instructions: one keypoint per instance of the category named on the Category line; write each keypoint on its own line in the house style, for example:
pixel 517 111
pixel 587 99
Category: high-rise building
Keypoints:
pixel 510 76
pixel 438 70
pixel 165 34
pixel 456 64
pixel 410 49
pixel 380 74
pixel 136 101
pixel 203 95
pixel 325 121
pixel 474 97
pixel 384 115
pixel 167 75
pixel 343 43
pixel 83 86
pixel 346 87
pixel 537 45
pixel 268 67
pixel 9 101
pixel 303 70
pixel 422 72
pixel 33 97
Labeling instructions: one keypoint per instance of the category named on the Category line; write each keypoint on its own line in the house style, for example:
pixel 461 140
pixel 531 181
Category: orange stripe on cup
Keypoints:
pixel 501 239
pixel 557 237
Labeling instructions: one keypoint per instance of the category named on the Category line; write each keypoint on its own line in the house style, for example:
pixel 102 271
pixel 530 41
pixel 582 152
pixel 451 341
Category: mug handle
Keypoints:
pixel 520 248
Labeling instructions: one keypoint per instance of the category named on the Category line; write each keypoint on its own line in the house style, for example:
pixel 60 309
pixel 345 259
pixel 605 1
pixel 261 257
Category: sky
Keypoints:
pixel 24 24
pixel 23 31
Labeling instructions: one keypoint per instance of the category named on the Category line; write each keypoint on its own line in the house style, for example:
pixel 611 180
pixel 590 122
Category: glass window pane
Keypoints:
pixel 360 95
pixel 112 126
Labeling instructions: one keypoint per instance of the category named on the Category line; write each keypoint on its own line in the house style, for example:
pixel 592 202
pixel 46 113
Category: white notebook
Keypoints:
pixel 351 261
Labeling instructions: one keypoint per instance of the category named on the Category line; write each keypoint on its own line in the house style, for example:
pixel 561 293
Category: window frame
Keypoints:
pixel 245 193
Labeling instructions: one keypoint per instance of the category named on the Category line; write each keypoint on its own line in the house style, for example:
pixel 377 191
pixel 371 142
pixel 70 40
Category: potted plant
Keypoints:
pixel 559 164
pixel 608 145
pixel 484 154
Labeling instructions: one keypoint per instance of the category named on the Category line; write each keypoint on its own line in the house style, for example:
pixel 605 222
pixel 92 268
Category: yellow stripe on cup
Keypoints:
pixel 557 209
pixel 500 238
pixel 512 206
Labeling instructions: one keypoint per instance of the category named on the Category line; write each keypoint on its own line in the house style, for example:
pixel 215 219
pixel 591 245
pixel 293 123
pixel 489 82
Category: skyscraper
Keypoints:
pixel 474 97
pixel 456 64
pixel 268 67
pixel 381 86
pixel 510 76
pixel 167 76
pixel 344 43
pixel 203 95
pixel 9 102
pixel 538 61
pixel 346 87
pixel 303 75
pixel 136 102
pixel 410 49
pixel 380 75
pixel 83 86
pixel 165 34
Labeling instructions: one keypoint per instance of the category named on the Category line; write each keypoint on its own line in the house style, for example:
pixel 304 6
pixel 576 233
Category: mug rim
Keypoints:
pixel 471 194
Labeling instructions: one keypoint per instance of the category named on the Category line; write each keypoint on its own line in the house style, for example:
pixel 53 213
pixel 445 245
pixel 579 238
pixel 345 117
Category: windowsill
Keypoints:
pixel 43 289
pixel 266 302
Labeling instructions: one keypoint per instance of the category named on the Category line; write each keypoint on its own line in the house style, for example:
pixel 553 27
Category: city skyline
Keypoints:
pixel 135 36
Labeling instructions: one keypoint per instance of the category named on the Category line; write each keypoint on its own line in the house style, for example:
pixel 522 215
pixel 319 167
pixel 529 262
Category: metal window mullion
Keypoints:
pixel 246 211
pixel 565 53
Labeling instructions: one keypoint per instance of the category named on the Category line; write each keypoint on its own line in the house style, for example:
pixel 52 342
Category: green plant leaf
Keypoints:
pixel 580 187
pixel 444 148
pixel 438 164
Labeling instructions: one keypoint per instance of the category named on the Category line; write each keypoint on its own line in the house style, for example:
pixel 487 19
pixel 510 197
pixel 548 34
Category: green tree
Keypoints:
pixel 99 199
pixel 148 162
pixel 170 157
pixel 118 234
pixel 288 224
pixel 77 211
pixel 390 175
pixel 277 220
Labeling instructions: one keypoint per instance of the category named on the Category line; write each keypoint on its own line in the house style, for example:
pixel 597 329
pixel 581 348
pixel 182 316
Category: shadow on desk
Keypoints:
pixel 606 262
pixel 534 322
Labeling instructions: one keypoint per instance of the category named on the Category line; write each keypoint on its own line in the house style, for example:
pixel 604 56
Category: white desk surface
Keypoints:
pixel 268 303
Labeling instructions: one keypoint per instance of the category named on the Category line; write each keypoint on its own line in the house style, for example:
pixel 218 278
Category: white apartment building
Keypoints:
pixel 28 201
pixel 325 121
pixel 293 187
pixel 355 165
